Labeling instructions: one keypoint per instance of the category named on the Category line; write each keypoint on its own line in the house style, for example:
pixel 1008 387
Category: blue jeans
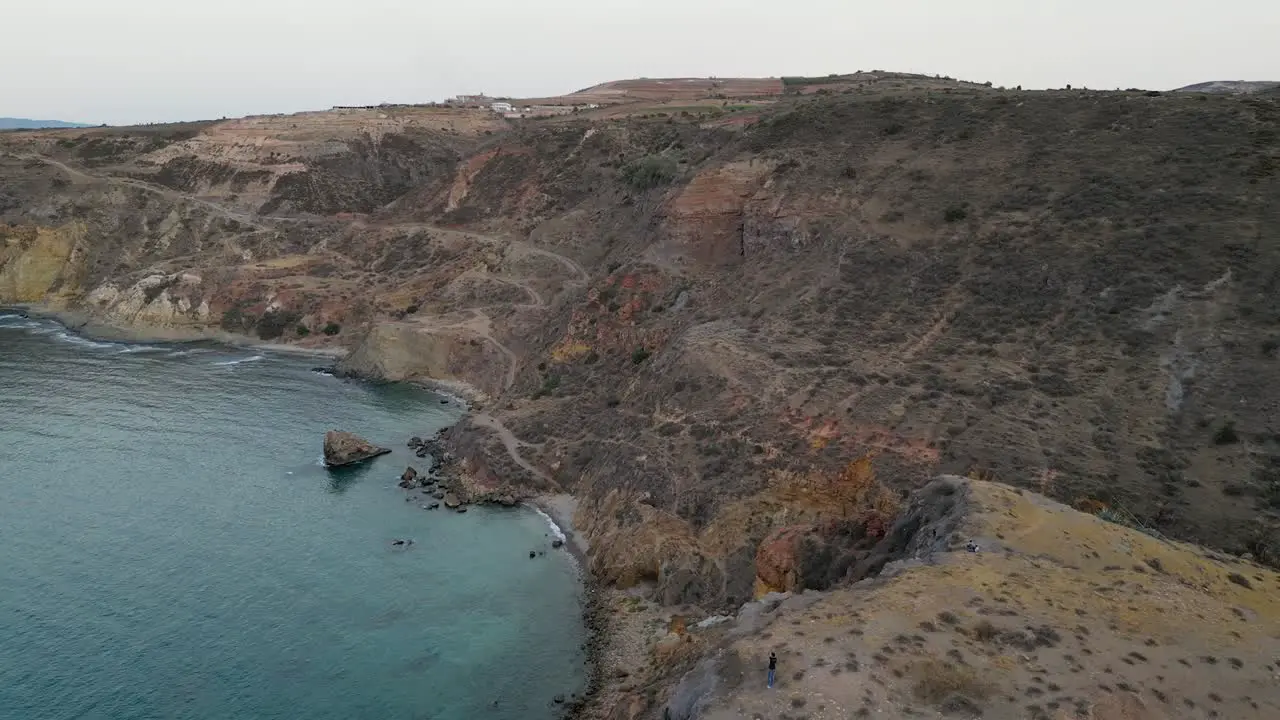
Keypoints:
pixel 770 678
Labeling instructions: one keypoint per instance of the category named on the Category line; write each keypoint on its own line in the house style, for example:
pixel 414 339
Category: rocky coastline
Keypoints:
pixel 91 327
pixel 444 484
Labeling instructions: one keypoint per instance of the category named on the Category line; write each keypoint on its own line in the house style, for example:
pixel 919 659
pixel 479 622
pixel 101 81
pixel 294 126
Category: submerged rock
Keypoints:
pixel 344 448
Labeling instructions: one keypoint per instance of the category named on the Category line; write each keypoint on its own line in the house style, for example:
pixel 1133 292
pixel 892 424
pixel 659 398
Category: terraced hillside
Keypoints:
pixel 714 324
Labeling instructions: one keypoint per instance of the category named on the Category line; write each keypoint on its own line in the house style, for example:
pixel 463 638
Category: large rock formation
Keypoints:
pixel 1000 604
pixel 344 448
pixel 694 321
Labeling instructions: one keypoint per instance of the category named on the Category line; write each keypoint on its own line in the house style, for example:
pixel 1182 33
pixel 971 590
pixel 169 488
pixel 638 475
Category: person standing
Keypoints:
pixel 773 667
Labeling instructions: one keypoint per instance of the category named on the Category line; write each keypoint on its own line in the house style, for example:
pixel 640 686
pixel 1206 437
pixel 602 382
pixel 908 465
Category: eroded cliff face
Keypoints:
pixel 36 263
pixel 1003 604
pixel 697 323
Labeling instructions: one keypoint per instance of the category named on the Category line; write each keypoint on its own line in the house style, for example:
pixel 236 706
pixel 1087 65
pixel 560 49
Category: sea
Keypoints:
pixel 171 546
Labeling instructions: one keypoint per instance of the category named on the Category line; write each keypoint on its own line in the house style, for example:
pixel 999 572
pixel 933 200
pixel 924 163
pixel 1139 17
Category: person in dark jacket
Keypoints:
pixel 773 667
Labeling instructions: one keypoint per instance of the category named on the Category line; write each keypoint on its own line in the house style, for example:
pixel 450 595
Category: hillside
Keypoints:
pixel 7 123
pixel 713 319
pixel 1232 86
pixel 1057 616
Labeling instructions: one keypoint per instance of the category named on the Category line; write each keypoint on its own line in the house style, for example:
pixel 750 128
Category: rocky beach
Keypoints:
pixel 233 535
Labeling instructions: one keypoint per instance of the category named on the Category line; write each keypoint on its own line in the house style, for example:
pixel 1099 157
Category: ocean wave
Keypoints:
pixel 551 523
pixel 228 363
pixel 131 349
pixel 83 342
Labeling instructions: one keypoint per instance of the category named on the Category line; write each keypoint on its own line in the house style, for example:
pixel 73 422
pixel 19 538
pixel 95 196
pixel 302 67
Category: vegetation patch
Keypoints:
pixel 273 323
pixel 650 172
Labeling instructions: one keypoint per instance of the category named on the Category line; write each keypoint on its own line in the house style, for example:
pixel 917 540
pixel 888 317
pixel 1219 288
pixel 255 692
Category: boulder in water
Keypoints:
pixel 451 501
pixel 415 442
pixel 344 448
pixel 409 478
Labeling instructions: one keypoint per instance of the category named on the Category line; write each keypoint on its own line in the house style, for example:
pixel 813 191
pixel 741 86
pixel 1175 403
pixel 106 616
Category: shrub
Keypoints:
pixel 955 213
pixel 411 309
pixel 938 682
pixel 985 631
pixel 639 356
pixel 1270 345
pixel 273 323
pixel 302 330
pixel 649 172
pixel 1226 434
pixel 233 319
pixel 332 329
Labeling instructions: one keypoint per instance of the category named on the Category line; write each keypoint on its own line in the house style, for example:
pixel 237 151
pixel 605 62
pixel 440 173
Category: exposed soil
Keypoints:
pixel 742 321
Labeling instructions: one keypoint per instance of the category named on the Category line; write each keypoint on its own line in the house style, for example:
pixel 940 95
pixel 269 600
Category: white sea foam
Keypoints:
pixel 238 361
pixel 83 342
pixel 555 529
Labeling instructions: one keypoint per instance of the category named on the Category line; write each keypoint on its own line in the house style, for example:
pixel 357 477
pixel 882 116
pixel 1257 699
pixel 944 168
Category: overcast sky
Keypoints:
pixel 124 61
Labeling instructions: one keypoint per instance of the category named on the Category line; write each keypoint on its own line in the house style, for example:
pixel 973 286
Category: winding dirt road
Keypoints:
pixel 511 442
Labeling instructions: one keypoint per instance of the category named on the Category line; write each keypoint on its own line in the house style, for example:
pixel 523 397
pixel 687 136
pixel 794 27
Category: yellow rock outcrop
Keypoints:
pixel 36 263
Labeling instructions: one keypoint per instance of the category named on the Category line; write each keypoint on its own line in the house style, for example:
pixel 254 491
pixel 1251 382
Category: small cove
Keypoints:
pixel 171 547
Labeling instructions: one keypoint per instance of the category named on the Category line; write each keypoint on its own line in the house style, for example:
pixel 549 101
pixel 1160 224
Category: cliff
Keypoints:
pixel 740 329
pixel 1022 608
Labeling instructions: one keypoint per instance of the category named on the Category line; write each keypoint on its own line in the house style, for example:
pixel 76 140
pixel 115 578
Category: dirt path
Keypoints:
pixel 522 246
pixel 511 442
pixel 537 304
pixel 79 176
pixel 564 260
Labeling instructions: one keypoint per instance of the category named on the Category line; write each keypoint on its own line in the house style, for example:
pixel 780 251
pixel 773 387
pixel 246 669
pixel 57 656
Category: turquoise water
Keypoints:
pixel 171 547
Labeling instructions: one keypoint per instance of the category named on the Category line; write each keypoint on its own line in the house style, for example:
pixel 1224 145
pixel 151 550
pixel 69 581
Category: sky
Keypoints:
pixel 130 61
